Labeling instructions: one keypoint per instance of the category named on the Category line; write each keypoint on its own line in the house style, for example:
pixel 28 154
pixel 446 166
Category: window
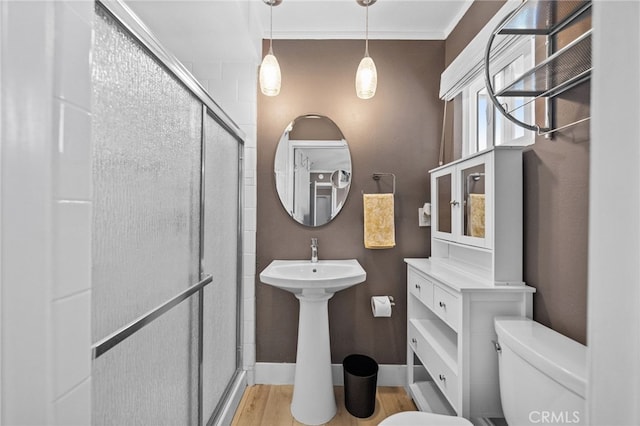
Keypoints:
pixel 483 126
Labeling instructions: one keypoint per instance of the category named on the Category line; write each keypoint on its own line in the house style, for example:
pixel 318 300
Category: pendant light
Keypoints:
pixel 270 78
pixel 366 76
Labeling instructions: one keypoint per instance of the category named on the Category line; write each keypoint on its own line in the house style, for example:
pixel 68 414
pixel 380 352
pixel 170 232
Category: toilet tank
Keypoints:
pixel 542 374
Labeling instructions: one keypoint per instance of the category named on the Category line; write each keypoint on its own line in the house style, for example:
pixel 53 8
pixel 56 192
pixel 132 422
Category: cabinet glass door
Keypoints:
pixel 444 195
pixel 473 201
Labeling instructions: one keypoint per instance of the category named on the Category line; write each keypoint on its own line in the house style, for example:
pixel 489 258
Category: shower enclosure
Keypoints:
pixel 167 174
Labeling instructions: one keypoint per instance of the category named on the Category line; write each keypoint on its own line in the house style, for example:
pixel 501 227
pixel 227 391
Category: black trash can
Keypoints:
pixel 360 377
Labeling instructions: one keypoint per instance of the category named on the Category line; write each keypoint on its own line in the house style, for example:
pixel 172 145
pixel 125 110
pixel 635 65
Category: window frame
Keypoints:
pixel 505 135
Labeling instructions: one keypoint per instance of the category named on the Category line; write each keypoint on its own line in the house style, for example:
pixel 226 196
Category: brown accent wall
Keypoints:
pixel 556 212
pixel 477 16
pixel 398 131
pixel 556 195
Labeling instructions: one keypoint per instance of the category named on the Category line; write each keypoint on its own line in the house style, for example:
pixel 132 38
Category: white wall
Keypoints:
pixel 46 212
pixel 614 210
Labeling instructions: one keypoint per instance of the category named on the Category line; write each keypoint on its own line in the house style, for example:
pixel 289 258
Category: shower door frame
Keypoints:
pixel 129 22
pixel 238 375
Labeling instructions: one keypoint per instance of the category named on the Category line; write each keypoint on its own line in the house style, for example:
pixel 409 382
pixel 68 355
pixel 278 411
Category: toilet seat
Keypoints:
pixel 420 418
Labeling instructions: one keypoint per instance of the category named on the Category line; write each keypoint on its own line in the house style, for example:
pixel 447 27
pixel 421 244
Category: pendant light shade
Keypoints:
pixel 366 78
pixel 270 78
pixel 367 75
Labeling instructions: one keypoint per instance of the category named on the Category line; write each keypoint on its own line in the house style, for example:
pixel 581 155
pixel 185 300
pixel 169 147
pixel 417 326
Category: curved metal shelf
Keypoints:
pixel 543 17
pixel 557 73
pixel 561 71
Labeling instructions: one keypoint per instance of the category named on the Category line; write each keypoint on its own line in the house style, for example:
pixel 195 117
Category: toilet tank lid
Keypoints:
pixel 558 356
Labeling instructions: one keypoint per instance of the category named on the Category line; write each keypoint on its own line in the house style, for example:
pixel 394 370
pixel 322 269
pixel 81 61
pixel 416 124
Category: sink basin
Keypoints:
pixel 302 276
pixel 313 284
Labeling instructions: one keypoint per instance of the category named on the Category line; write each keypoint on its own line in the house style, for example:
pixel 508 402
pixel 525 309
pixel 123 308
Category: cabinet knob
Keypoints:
pixel 442 304
pixel 414 341
pixel 454 203
pixel 418 286
pixel 442 378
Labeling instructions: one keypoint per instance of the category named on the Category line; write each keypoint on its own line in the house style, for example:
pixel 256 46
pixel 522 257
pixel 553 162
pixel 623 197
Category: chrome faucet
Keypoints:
pixel 314 250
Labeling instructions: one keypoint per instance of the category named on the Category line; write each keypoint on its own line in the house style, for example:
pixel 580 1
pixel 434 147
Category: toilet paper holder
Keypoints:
pixel 392 301
pixel 381 306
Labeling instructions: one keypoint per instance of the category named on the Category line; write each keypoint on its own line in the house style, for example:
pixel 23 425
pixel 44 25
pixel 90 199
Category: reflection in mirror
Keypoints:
pixel 340 179
pixel 312 169
pixel 443 187
pixel 474 201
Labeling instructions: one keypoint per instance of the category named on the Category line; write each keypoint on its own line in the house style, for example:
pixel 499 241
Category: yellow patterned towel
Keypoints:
pixel 379 228
pixel 476 213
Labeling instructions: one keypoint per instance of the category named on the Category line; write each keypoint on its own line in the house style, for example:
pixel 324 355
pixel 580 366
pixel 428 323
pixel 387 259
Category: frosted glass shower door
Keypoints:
pixel 220 259
pixel 147 134
pixel 167 179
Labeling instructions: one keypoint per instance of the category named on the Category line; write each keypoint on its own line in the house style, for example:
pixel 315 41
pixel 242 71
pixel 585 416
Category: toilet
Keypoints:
pixel 542 378
pixel 420 418
pixel 543 374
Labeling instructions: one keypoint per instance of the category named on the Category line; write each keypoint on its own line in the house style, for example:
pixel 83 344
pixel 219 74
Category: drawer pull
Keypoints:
pixel 418 286
pixel 442 378
pixel 442 305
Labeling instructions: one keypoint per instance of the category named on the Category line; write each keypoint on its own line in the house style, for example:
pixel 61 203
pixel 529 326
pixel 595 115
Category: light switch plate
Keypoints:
pixel 423 220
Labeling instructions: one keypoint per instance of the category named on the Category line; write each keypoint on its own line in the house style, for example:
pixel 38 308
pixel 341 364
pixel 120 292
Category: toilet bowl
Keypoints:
pixel 419 418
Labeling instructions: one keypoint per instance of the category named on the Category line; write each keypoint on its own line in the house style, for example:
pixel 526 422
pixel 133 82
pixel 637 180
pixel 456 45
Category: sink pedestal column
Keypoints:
pixel 313 402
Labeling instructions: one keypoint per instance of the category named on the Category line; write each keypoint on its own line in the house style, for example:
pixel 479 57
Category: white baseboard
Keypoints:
pixel 271 373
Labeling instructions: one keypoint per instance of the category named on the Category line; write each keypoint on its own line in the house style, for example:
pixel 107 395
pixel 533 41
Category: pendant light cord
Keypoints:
pixel 366 40
pixel 271 27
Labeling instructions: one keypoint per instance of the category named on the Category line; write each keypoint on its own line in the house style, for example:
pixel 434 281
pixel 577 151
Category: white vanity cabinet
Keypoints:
pixel 477 214
pixel 473 275
pixel 450 336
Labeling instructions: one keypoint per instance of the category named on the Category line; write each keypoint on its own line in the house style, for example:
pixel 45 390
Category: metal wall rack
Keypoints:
pixel 560 71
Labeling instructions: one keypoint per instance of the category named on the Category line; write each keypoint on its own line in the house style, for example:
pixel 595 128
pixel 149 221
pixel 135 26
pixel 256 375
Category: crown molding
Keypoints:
pixel 356 35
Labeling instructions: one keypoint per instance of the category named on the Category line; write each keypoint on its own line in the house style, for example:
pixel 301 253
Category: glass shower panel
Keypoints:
pixel 151 377
pixel 146 174
pixel 220 259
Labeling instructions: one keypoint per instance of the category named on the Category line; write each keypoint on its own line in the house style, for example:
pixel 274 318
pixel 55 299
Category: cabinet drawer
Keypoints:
pixel 446 306
pixel 420 287
pixel 443 376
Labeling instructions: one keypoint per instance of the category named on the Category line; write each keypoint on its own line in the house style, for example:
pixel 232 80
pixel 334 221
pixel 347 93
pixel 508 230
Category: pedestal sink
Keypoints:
pixel 313 284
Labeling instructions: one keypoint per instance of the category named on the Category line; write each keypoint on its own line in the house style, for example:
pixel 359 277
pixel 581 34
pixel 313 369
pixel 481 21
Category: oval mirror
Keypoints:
pixel 312 169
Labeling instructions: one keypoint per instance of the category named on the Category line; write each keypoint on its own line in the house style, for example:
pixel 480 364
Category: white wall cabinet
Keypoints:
pixel 477 214
pixel 450 336
pixel 456 190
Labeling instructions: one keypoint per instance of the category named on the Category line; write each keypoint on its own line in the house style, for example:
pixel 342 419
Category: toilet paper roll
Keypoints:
pixel 381 306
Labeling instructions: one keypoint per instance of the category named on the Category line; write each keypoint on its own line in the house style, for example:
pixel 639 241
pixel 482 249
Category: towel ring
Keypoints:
pixel 377 176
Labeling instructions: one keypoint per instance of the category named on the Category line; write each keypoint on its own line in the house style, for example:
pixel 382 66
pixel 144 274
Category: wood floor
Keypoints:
pixel 269 405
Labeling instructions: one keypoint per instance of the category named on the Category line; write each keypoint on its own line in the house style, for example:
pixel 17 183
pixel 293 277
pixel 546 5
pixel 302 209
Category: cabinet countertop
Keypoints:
pixel 461 281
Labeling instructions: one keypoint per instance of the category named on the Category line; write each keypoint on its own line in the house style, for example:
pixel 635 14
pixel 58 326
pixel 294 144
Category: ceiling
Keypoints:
pixel 345 19
pixel 193 29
